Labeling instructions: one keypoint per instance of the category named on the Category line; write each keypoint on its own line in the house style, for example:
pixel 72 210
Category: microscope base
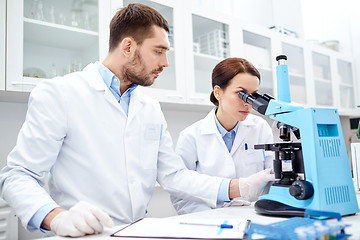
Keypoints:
pixel 274 208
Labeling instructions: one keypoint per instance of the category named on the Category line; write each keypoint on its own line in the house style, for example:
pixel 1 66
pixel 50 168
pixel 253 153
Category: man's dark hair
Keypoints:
pixel 136 21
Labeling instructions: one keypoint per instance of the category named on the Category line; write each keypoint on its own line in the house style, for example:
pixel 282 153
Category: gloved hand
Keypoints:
pixel 237 202
pixel 256 184
pixel 81 219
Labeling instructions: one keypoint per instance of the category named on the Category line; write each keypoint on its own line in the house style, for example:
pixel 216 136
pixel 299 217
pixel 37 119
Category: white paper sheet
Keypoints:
pixel 355 159
pixel 172 228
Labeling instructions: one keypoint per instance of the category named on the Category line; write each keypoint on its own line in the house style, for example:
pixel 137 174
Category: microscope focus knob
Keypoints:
pixel 301 189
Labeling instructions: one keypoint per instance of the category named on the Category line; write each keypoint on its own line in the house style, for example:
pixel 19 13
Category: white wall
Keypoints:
pixel 333 20
pixel 12 116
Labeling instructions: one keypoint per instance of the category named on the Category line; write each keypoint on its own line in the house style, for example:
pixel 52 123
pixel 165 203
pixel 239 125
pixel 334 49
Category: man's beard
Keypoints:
pixel 134 72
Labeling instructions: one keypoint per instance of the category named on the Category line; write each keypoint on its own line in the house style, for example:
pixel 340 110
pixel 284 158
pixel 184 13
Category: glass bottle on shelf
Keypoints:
pixel 37 10
pixel 49 48
pixel 76 13
pixel 210 46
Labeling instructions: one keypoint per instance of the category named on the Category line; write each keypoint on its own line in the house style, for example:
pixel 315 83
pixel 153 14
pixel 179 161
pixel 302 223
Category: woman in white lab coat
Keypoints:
pixel 222 144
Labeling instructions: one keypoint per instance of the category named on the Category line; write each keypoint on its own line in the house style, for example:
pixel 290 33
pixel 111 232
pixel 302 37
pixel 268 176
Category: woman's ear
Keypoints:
pixel 217 92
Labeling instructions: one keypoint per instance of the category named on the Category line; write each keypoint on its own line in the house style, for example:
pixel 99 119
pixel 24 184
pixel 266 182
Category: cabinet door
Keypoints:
pixel 346 85
pixel 296 67
pixel 169 86
pixel 51 38
pixel 322 79
pixel 9 222
pixel 257 49
pixel 208 43
pixel 2 43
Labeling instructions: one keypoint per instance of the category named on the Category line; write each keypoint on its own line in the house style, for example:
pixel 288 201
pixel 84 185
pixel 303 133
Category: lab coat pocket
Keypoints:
pixel 253 161
pixel 150 145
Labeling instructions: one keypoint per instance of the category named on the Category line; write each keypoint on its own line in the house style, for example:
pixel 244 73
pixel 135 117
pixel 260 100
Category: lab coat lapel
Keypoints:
pixel 136 103
pixel 94 78
pixel 209 127
pixel 96 82
pixel 242 132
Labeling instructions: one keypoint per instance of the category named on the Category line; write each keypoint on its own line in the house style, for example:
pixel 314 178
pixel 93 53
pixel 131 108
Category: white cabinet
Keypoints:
pixel 52 38
pixel 66 35
pixel 333 79
pixel 344 75
pixel 319 77
pixel 208 43
pixel 8 222
pixel 323 80
pixel 258 48
pixel 2 43
pixel 295 51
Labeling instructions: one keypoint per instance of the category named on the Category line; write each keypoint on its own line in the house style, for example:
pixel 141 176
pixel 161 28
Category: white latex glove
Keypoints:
pixel 237 202
pixel 81 219
pixel 256 184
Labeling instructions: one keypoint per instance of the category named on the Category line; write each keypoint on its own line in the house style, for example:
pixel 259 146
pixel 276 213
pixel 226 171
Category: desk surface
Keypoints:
pixel 235 212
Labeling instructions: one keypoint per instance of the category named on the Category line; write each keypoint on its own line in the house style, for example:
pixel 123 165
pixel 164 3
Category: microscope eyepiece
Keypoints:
pixel 246 97
pixel 281 57
pixel 258 102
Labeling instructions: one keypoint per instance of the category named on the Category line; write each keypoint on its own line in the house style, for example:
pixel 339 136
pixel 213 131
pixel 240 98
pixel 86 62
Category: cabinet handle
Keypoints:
pixel 175 96
pixel 24 83
pixel 197 98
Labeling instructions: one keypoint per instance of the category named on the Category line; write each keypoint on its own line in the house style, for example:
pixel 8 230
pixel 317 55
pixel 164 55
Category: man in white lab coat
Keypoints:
pixel 103 142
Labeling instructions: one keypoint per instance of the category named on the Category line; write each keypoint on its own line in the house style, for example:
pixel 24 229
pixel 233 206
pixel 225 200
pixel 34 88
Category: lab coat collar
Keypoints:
pixel 96 82
pixel 209 126
pixel 94 77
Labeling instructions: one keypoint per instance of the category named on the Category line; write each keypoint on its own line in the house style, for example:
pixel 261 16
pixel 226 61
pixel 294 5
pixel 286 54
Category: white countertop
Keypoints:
pixel 235 212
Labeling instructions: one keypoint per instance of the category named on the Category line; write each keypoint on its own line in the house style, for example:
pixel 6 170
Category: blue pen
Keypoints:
pixel 246 146
pixel 212 225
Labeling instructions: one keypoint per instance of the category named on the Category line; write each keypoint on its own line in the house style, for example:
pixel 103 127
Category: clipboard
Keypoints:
pixel 165 228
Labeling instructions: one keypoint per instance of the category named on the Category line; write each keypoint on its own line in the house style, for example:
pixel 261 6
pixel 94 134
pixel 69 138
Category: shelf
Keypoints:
pixel 258 56
pixel 206 62
pixel 323 80
pixel 296 75
pixel 56 35
pixel 258 67
pixel 256 40
pixel 349 85
pixel 206 56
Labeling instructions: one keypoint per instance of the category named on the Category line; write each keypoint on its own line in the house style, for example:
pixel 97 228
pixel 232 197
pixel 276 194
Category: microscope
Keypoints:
pixel 319 177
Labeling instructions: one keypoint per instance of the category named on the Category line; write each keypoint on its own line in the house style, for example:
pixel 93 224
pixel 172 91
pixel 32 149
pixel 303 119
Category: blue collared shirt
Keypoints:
pixel 228 137
pixel 113 83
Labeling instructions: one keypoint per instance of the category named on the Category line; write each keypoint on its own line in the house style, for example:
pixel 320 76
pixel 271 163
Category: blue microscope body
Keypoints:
pixel 326 184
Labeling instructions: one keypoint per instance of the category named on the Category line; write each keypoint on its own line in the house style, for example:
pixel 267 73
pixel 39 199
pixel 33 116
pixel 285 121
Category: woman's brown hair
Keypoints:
pixel 226 70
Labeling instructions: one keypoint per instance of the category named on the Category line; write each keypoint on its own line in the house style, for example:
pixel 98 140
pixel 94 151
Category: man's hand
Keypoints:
pixel 81 219
pixel 256 184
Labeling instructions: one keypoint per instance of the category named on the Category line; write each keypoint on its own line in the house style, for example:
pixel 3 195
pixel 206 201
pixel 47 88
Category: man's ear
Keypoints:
pixel 127 46
pixel 217 92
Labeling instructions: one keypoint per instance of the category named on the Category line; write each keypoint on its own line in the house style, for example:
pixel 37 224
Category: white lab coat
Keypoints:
pixel 202 149
pixel 76 130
